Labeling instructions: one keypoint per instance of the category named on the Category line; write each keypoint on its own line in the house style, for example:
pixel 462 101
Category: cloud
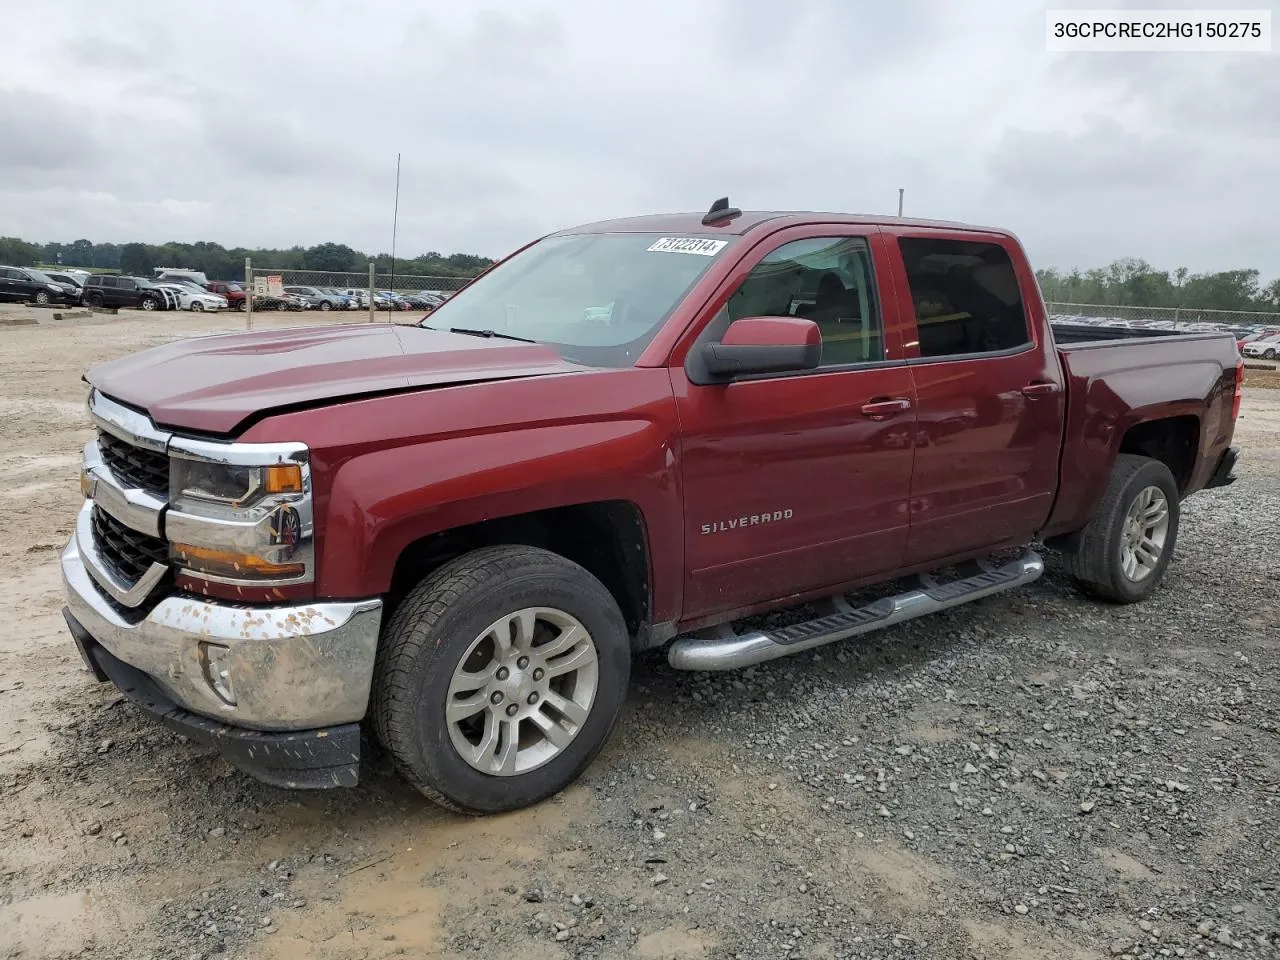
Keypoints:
pixel 278 124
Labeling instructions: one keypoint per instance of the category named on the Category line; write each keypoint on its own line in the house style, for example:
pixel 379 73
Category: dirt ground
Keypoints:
pixel 1036 775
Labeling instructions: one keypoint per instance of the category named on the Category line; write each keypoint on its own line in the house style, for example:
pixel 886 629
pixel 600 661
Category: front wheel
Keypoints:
pixel 240 305
pixel 197 306
pixel 95 300
pixel 325 305
pixel 1123 553
pixel 149 303
pixel 499 678
pixel 42 297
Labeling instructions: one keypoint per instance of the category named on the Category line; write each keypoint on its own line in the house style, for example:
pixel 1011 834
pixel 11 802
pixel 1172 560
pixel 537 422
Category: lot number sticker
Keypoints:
pixel 702 247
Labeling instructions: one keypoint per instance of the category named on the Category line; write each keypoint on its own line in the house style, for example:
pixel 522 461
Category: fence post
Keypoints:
pixel 371 282
pixel 248 293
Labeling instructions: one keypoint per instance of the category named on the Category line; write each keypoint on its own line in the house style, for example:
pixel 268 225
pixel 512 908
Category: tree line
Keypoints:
pixel 220 263
pixel 1125 282
pixel 1132 282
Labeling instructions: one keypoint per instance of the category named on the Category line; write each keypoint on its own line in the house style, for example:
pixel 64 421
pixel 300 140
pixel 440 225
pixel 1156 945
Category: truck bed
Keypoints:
pixel 1076 333
pixel 1118 377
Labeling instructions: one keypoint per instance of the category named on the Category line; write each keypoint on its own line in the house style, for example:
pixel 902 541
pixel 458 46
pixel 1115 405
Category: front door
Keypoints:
pixel 798 482
pixel 990 402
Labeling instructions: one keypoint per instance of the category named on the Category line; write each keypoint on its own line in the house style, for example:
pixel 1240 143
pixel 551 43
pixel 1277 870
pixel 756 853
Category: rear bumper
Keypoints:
pixel 1222 474
pixel 299 759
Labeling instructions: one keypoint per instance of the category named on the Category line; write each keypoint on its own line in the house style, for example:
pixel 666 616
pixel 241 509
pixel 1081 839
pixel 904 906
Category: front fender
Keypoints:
pixel 381 502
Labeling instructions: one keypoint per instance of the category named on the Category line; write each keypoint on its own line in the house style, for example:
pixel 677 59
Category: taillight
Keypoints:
pixel 1239 394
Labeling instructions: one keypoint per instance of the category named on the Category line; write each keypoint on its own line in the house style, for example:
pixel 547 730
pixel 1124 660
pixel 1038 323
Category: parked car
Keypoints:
pixel 197 298
pixel 26 285
pixel 347 302
pixel 316 298
pixel 109 290
pixel 75 281
pixel 359 297
pixel 417 301
pixel 233 292
pixel 1266 348
pixel 463 530
pixel 176 273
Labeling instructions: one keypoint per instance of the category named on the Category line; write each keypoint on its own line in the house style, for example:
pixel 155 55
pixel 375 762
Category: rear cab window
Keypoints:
pixel 965 296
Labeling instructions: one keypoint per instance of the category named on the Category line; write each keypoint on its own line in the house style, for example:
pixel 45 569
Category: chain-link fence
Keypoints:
pixel 1172 318
pixel 339 294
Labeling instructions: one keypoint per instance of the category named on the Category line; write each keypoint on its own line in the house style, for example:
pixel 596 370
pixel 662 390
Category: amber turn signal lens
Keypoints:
pixel 282 478
pixel 227 563
pixel 86 485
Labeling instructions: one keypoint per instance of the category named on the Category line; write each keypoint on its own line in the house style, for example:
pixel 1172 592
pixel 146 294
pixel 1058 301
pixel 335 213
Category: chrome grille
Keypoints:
pixel 135 466
pixel 129 552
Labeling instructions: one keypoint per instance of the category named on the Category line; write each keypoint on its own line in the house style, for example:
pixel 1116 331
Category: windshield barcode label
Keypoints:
pixel 704 248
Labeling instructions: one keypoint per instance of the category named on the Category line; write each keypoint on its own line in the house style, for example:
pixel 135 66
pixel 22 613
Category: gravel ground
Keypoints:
pixel 1034 775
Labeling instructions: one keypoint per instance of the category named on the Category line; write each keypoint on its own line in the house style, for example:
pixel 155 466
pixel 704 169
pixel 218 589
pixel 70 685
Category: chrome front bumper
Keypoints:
pixel 292 667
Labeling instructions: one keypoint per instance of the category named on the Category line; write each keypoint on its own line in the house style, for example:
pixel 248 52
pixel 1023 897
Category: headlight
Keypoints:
pixel 241 513
pixel 230 484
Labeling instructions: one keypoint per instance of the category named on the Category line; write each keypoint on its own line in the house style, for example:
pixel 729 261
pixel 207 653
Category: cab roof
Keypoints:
pixel 751 220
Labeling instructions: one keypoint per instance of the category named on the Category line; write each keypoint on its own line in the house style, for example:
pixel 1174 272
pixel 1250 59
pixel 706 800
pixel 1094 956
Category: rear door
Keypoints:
pixel 9 288
pixel 124 292
pixel 989 393
pixel 797 482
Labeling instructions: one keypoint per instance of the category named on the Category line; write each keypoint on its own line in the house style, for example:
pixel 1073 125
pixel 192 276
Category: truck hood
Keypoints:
pixel 214 384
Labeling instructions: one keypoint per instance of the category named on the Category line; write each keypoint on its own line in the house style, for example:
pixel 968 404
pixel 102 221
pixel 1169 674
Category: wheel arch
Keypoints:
pixel 608 538
pixel 1173 440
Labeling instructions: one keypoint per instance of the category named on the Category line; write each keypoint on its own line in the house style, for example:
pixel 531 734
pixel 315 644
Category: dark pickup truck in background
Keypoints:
pixel 624 435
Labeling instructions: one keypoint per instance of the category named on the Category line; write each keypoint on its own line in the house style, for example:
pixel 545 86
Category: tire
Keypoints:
pixel 325 305
pixel 445 623
pixel 1097 555
pixel 42 297
pixel 95 300
pixel 1269 355
pixel 197 306
pixel 240 305
pixel 148 303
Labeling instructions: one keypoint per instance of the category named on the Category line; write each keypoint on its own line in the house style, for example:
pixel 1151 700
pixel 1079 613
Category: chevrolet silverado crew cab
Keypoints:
pixel 627 435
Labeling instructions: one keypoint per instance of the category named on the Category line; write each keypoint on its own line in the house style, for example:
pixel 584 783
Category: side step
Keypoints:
pixel 722 649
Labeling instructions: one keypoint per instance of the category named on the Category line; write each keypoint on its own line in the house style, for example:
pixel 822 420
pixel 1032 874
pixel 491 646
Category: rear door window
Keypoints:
pixel 966 297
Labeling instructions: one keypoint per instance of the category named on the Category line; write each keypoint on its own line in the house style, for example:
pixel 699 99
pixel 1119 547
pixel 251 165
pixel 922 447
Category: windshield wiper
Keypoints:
pixel 487 333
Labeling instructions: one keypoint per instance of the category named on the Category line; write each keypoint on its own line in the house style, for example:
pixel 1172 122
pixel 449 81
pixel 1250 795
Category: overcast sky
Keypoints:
pixel 160 120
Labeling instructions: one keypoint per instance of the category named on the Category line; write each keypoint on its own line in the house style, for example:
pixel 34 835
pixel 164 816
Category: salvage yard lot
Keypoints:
pixel 1034 775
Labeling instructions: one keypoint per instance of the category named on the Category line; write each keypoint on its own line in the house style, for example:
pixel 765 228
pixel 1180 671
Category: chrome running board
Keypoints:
pixel 720 648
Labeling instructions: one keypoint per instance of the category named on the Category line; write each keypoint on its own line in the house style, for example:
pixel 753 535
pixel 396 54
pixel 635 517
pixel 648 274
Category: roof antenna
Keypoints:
pixel 720 212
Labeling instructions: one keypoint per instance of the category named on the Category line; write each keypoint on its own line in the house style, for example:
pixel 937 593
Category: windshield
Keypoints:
pixel 37 275
pixel 598 298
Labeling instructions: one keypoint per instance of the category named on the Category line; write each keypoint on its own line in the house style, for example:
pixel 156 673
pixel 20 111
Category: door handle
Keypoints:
pixel 1039 388
pixel 882 409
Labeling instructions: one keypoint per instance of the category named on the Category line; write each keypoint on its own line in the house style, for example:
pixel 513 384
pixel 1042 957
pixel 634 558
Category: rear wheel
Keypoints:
pixel 500 677
pixel 1123 553
pixel 1269 354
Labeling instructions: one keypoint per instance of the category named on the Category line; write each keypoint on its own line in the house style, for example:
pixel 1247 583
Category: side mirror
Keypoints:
pixel 756 345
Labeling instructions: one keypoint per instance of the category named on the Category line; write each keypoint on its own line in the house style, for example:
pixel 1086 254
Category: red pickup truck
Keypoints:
pixel 623 435
pixel 232 291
